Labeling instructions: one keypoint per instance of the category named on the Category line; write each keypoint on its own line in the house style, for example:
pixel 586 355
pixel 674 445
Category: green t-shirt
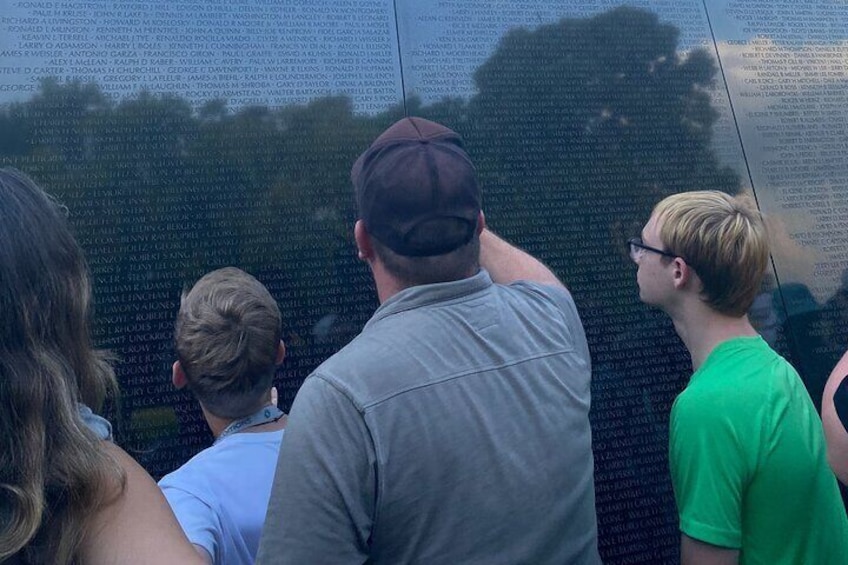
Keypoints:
pixel 748 461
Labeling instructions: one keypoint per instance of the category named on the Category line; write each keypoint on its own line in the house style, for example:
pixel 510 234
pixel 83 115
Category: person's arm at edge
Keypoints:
pixel 507 264
pixel 198 521
pixel 835 434
pixel 708 484
pixel 694 552
pixel 138 527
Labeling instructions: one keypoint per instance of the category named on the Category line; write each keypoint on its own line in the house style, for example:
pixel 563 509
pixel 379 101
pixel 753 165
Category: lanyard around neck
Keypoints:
pixel 264 415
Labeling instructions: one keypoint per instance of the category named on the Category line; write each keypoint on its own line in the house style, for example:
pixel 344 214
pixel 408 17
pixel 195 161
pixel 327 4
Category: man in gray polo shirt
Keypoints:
pixel 454 428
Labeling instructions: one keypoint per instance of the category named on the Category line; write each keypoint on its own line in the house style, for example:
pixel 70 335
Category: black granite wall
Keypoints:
pixel 187 135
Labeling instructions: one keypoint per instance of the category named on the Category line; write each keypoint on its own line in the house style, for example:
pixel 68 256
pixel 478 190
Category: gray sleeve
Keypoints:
pixel 564 303
pixel 323 497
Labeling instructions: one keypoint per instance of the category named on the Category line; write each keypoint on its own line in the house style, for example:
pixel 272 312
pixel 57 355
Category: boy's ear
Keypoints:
pixel 178 376
pixel 281 353
pixel 683 273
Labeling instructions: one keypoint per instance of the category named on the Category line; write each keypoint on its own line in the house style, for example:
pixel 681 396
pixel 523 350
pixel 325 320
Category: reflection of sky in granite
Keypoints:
pixel 279 51
pixel 784 64
pixel 268 52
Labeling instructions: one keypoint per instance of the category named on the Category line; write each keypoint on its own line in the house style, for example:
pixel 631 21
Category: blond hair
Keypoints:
pixel 723 238
pixel 227 335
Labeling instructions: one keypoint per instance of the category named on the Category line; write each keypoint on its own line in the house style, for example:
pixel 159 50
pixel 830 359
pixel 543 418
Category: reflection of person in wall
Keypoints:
pixel 763 314
pixel 746 449
pixel 228 343
pixel 807 331
pixel 69 495
pixel 835 419
pixel 454 428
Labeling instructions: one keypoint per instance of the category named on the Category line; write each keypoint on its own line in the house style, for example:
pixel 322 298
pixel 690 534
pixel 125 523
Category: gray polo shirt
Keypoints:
pixel 453 429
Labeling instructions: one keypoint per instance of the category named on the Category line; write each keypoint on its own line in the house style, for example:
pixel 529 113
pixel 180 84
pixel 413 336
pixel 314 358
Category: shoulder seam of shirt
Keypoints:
pixel 364 407
pixel 190 493
pixel 337 386
pixel 441 301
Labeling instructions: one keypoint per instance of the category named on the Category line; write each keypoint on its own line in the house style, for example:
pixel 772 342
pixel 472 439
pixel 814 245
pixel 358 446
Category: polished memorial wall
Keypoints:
pixel 184 136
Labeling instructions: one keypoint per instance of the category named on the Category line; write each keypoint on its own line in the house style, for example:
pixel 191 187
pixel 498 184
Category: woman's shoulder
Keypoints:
pixel 136 526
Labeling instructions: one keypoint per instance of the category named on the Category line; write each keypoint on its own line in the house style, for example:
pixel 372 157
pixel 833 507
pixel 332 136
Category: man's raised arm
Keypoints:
pixel 506 263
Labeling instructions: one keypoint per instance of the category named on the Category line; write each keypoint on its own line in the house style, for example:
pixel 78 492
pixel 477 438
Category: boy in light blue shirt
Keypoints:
pixel 228 344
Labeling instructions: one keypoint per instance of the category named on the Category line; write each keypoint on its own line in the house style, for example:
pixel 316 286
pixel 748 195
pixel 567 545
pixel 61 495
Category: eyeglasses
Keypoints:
pixel 637 249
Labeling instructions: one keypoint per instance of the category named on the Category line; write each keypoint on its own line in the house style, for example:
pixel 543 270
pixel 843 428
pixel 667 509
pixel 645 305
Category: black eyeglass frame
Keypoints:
pixel 637 242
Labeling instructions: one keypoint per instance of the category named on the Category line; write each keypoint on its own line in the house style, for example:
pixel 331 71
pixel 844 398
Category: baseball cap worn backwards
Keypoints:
pixel 416 189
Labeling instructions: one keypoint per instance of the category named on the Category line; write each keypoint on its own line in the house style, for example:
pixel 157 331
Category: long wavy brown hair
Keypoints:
pixel 53 470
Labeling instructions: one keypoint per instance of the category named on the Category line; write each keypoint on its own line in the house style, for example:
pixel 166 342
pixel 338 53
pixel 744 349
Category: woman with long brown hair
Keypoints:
pixel 67 493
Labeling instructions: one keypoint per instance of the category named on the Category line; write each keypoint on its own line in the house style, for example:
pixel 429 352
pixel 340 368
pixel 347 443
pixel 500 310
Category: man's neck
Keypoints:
pixel 702 329
pixel 388 285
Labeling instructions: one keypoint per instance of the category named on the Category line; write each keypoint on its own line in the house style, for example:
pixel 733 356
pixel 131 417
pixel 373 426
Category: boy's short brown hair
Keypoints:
pixel 227 336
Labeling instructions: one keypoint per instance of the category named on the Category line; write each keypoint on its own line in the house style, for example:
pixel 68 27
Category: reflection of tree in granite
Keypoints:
pixel 598 117
pixel 158 196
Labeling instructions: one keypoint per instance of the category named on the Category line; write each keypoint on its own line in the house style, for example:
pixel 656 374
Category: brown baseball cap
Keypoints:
pixel 416 189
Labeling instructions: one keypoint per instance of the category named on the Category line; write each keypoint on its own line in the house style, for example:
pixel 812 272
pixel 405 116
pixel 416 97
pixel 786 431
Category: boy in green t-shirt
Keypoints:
pixel 747 451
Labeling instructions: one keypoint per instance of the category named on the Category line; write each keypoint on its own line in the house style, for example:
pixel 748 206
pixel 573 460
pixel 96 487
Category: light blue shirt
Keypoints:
pixel 220 495
pixel 97 424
